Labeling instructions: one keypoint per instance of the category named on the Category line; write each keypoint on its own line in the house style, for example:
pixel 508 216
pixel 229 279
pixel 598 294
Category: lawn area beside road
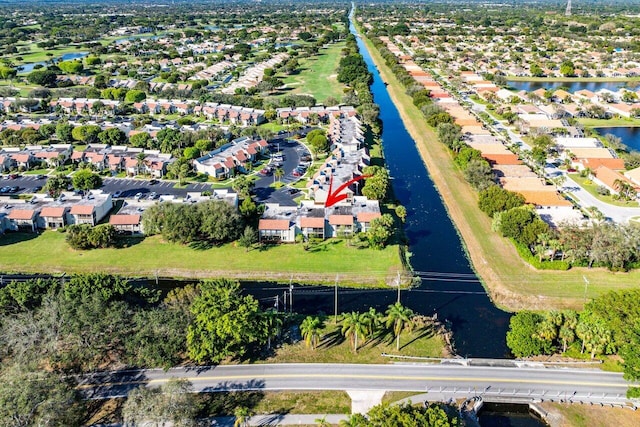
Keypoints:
pixel 511 282
pixel 49 253
pixel 614 122
pixel 317 75
pixel 571 79
pixel 334 348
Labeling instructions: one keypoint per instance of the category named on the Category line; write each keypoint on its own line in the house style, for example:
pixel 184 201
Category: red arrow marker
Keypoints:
pixel 334 196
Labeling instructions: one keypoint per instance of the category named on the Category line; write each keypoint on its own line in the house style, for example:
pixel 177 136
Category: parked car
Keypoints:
pixel 138 196
pixel 4 189
pixel 40 176
pixel 293 191
pixel 153 195
pixel 153 182
pixel 14 189
pixel 117 194
pixel 36 189
pixel 14 176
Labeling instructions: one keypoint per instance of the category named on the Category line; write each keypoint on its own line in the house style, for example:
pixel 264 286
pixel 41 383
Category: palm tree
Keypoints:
pixel 279 173
pixel 271 321
pixel 375 320
pixel 354 324
pixel 242 415
pixel 310 329
pixel 401 318
pixel 140 159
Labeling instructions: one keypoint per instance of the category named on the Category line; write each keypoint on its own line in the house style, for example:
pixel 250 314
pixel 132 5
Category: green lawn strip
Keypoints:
pixel 48 252
pixel 609 123
pixel 394 396
pixel 511 282
pixel 592 188
pixel 571 79
pixel 39 55
pixel 317 75
pixel 334 348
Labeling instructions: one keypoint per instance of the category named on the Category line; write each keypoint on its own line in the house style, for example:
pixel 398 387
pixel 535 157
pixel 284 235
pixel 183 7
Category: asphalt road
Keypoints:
pixel 453 380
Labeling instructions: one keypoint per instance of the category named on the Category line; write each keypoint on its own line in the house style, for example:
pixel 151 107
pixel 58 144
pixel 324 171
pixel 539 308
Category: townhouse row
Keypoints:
pixel 101 157
pixel 231 158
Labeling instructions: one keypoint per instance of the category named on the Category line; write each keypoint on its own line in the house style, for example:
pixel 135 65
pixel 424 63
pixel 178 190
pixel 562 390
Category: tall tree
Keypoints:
pixel 310 330
pixel 400 318
pixel 355 325
pixel 223 324
pixel 172 402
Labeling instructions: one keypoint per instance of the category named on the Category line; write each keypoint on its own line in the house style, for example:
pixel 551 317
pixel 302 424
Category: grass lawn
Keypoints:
pixel 272 126
pixel 334 348
pixel 38 54
pixel 48 252
pixel 317 75
pixel 572 79
pixel 510 281
pixel 609 123
pixel 591 416
pixel 592 188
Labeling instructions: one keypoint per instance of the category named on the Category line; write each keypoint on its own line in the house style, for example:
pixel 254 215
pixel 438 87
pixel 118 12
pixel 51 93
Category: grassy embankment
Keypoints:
pixel 573 79
pixel 317 75
pixel 49 253
pixel 622 122
pixel 512 283
pixel 590 416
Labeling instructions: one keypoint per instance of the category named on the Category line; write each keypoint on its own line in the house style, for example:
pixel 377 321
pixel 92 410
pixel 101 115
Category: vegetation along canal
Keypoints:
pixel 449 286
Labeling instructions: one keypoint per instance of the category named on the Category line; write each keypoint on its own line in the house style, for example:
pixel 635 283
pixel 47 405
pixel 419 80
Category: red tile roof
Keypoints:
pixel 311 222
pixel 368 216
pixel 341 219
pixel 124 219
pixel 82 209
pixel 52 211
pixel 22 214
pixel 273 224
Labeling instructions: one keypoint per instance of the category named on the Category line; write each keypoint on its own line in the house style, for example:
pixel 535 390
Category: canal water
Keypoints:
pixel 449 286
pixel 573 86
pixel 630 135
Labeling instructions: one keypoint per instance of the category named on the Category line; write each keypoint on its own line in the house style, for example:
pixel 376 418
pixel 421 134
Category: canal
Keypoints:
pixel 449 286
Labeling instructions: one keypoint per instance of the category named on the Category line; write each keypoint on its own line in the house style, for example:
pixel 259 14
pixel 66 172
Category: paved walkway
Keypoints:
pixel 282 420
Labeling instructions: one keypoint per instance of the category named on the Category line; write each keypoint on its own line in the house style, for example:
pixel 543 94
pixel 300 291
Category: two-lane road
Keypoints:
pixel 443 379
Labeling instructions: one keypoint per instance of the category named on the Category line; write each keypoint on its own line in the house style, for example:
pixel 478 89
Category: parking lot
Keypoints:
pixel 130 187
pixel 291 151
pixel 25 184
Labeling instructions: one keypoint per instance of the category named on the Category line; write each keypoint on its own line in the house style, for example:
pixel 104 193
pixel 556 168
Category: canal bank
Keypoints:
pixel 511 282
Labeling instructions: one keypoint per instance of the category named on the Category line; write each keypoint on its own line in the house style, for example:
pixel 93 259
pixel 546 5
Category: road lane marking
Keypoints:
pixel 364 376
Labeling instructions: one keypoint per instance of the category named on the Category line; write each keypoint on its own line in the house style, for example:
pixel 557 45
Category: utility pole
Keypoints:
pixel 291 294
pixel 335 303
pixel 586 283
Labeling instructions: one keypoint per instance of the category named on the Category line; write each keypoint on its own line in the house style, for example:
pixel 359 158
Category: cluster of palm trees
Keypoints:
pixel 358 326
